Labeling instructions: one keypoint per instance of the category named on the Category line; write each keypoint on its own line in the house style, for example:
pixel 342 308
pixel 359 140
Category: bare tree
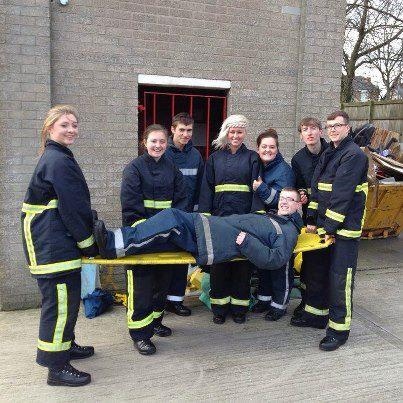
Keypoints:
pixel 373 28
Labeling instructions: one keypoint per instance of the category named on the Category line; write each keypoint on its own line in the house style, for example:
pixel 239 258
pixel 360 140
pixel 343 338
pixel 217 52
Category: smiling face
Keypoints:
pixel 235 137
pixel 288 202
pixel 65 130
pixel 156 144
pixel 267 149
pixel 337 130
pixel 181 134
pixel 310 135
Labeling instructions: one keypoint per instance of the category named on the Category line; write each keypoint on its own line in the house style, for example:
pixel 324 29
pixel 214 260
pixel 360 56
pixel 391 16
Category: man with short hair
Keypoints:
pixel 189 161
pixel 267 240
pixel 303 164
pixel 336 210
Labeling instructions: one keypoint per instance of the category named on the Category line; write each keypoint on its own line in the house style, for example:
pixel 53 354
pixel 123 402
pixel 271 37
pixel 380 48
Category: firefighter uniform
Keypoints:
pixel 57 231
pixel 303 164
pixel 190 163
pixel 274 286
pixel 148 186
pixel 227 189
pixel 337 206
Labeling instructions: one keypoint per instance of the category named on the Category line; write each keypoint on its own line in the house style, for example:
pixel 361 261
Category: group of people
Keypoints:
pixel 242 203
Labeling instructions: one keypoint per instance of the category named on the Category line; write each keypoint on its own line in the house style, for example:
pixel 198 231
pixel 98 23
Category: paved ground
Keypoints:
pixel 257 361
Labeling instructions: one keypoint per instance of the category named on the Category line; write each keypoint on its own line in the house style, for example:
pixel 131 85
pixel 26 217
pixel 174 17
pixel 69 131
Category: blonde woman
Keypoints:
pixel 57 231
pixel 227 189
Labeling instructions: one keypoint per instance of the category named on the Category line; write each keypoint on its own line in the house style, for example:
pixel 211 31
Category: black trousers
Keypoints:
pixel 230 287
pixel 60 306
pixel 275 286
pixel 147 287
pixel 177 287
pixel 333 289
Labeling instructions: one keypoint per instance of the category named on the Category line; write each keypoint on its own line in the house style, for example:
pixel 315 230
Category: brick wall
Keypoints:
pixel 283 62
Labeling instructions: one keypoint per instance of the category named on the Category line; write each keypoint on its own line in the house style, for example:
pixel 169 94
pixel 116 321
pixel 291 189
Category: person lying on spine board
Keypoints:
pixel 267 240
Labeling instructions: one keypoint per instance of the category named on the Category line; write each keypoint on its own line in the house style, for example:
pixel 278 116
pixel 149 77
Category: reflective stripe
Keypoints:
pixel 260 212
pixel 175 298
pixel 263 298
pixel 232 187
pixel 287 286
pixel 55 267
pixel 119 244
pixel 321 231
pixel 335 216
pixel 348 233
pixel 138 222
pixel 45 346
pixel 362 188
pixel 302 285
pixel 273 193
pixel 38 208
pixel 57 344
pixel 206 214
pixel 241 302
pixel 207 237
pixel 276 225
pixel 338 326
pixel 278 306
pixel 134 324
pixel 313 205
pixel 327 187
pixel 28 237
pixel 315 311
pixel 122 252
pixel 309 191
pixel 87 242
pixel 220 301
pixel 158 204
pixel 188 171
pixel 157 314
pixel 61 313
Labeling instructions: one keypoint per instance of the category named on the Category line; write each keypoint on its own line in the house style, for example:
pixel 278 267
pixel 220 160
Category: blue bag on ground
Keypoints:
pixel 97 302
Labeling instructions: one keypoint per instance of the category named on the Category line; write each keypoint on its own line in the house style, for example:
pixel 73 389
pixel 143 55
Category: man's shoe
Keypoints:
pixel 330 343
pixel 162 331
pixel 302 321
pixel 261 306
pixel 145 347
pixel 239 318
pixel 68 376
pixel 219 319
pixel 101 239
pixel 299 310
pixel 79 352
pixel 273 315
pixel 177 308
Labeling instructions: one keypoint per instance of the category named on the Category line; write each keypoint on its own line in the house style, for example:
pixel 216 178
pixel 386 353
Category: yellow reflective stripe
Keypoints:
pixel 157 314
pixel 37 208
pixel 338 326
pixel 335 216
pixel 327 187
pixel 61 313
pixel 321 231
pixel 28 238
pixel 206 214
pixel 138 222
pixel 138 324
pixel 362 188
pixel 313 205
pixel 158 204
pixel 54 347
pixel 260 212
pixel 348 233
pixel 242 302
pixel 309 191
pixel 55 267
pixel 232 187
pixel 315 311
pixel 87 242
pixel 349 280
pixel 220 301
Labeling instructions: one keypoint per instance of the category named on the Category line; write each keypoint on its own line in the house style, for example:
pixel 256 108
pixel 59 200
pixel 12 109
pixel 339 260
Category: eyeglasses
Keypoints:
pixel 288 199
pixel 335 126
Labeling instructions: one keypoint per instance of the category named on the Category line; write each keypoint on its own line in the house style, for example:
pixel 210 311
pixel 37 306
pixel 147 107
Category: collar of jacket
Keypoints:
pixel 277 160
pixel 173 147
pixel 241 149
pixel 295 219
pixel 151 160
pixel 347 140
pixel 55 145
pixel 323 145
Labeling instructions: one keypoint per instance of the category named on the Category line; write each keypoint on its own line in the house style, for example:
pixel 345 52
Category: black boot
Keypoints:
pixel 101 239
pixel 68 376
pixel 177 308
pixel 261 306
pixel 239 317
pixel 274 314
pixel 219 319
pixel 78 352
pixel 145 347
pixel 299 310
pixel 331 343
pixel 162 331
